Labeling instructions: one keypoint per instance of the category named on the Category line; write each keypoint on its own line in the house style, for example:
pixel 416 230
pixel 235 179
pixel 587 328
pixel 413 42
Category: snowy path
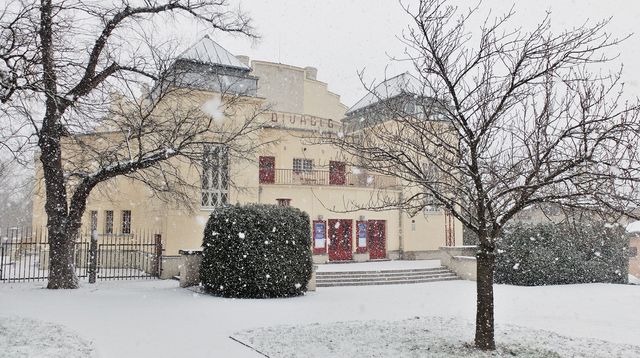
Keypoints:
pixel 158 319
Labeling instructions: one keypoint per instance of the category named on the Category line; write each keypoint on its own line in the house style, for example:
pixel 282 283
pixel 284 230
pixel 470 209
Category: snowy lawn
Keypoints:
pixel 158 319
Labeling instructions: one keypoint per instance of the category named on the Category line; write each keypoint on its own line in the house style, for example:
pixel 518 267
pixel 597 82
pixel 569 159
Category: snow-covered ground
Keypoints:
pixel 158 319
pixel 23 337
pixel 421 337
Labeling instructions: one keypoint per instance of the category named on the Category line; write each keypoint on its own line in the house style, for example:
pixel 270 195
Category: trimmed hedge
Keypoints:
pixel 567 253
pixel 256 251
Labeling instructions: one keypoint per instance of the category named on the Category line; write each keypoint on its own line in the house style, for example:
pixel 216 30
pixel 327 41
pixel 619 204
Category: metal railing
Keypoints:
pixel 24 255
pixel 326 178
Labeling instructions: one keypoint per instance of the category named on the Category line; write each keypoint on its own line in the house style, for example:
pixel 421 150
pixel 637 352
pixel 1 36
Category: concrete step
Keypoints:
pixel 380 274
pixel 382 278
pixel 390 282
pixel 431 269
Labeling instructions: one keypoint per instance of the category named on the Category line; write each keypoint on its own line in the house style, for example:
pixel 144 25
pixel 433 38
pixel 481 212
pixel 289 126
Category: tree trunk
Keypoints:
pixel 62 273
pixel 485 339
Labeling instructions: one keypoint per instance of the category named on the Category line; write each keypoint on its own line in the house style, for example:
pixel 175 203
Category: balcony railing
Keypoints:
pixel 326 178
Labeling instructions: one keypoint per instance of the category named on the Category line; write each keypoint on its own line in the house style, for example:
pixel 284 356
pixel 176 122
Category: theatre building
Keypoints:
pixel 292 170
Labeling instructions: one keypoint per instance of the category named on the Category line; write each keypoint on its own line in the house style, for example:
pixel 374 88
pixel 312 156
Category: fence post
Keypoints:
pixel 93 256
pixel 158 255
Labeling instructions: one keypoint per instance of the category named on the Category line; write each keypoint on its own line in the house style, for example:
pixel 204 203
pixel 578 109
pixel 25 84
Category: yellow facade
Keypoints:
pixel 301 107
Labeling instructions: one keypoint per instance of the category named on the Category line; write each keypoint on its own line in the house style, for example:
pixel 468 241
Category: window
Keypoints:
pixel 633 251
pixel 337 173
pixel 431 204
pixel 126 221
pixel 108 222
pixel 302 165
pixel 283 202
pixel 267 170
pixel 93 220
pixel 215 176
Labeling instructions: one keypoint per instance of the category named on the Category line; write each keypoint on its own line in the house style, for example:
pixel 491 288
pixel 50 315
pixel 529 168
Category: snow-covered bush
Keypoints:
pixel 256 251
pixel 551 254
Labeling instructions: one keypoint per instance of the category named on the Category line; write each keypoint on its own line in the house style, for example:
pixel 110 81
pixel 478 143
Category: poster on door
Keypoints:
pixel 362 234
pixel 319 230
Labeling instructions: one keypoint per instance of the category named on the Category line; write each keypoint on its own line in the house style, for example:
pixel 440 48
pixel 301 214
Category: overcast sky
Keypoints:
pixel 342 37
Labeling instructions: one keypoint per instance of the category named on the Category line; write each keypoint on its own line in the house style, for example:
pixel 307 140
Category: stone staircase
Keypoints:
pixel 384 277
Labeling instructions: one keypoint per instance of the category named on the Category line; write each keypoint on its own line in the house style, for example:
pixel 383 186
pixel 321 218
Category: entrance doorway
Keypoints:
pixel 340 233
pixel 377 240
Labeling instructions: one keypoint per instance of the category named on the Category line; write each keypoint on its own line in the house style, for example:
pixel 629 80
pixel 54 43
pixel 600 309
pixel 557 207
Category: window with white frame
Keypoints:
pixel 302 165
pixel 94 220
pixel 215 176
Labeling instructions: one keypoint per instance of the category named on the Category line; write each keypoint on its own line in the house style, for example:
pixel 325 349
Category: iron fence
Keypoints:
pixel 24 255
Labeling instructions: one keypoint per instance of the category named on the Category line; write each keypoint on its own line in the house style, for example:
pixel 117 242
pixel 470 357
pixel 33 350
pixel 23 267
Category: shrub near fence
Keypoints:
pixel 256 251
pixel 567 253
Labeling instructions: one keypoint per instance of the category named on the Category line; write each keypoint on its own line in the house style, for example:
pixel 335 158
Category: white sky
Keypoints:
pixel 341 37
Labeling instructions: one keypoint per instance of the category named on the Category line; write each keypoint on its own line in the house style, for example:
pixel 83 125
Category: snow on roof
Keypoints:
pixel 634 227
pixel 392 87
pixel 209 52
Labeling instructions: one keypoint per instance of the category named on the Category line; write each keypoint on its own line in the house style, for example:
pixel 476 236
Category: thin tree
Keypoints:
pixel 496 122
pixel 75 67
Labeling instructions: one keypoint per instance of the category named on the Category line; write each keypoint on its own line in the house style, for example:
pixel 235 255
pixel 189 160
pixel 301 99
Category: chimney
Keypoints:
pixel 310 72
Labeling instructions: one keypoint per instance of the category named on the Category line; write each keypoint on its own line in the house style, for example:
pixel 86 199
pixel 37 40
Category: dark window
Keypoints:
pixel 108 222
pixel 126 221
pixel 284 202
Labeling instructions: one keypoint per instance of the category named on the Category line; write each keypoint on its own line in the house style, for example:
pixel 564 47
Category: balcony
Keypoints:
pixel 326 178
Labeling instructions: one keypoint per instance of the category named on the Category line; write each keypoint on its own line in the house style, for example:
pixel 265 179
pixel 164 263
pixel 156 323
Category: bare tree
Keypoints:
pixel 75 67
pixel 494 124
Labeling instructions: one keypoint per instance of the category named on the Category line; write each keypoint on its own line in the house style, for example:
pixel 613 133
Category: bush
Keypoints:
pixel 256 251
pixel 551 254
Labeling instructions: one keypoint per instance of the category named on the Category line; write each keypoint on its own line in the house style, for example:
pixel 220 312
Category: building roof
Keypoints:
pixel 404 83
pixel 209 52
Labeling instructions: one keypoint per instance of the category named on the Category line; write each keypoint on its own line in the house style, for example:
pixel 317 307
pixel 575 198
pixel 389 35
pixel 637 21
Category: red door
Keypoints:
pixel 337 173
pixel 340 240
pixel 267 171
pixel 377 239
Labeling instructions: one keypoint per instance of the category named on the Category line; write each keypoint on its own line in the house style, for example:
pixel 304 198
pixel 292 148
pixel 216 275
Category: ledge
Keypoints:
pixel 190 252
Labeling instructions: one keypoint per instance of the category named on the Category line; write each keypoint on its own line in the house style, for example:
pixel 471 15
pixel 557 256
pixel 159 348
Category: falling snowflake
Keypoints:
pixel 241 235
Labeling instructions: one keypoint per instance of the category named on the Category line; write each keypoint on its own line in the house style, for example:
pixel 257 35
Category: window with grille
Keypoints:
pixel 283 202
pixel 302 165
pixel 108 222
pixel 126 221
pixel 215 176
pixel 93 220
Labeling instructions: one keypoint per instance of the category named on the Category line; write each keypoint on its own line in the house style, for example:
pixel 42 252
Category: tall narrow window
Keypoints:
pixel 108 222
pixel 215 176
pixel 94 220
pixel 267 171
pixel 337 173
pixel 126 221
